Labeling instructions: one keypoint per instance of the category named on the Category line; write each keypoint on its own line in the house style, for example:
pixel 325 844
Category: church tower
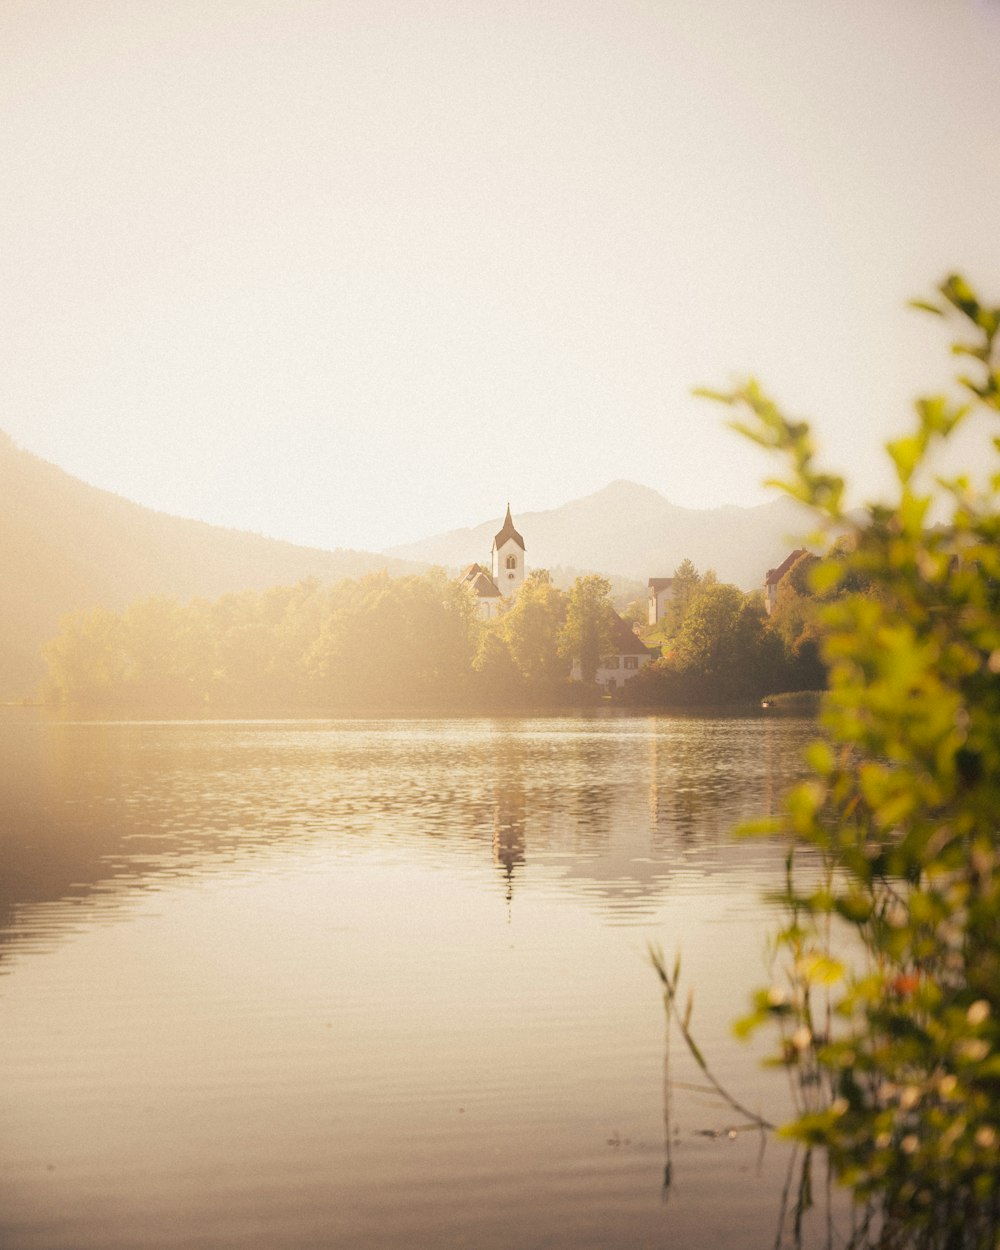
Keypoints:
pixel 508 559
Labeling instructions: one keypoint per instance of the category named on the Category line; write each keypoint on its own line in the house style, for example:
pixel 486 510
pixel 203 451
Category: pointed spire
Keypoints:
pixel 508 532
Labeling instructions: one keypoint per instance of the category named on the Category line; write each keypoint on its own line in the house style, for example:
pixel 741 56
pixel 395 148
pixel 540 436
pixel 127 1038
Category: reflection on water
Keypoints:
pixel 377 982
pixel 621 804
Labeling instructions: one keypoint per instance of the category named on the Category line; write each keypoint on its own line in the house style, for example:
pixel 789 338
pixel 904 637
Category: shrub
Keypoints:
pixel 888 1002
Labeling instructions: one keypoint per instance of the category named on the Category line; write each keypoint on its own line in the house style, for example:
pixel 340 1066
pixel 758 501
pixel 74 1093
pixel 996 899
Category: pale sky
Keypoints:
pixel 351 273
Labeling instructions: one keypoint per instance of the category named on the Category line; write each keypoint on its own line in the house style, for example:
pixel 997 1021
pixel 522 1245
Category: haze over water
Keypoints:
pixel 379 983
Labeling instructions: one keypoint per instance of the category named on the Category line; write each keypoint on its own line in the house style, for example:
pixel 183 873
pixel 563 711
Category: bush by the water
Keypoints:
pixel 886 993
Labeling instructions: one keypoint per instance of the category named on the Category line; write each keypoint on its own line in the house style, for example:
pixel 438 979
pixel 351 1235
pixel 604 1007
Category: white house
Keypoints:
pixel 661 591
pixel 630 655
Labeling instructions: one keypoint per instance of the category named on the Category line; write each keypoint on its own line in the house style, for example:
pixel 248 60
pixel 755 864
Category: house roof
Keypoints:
pixel 660 583
pixel 775 575
pixel 508 532
pixel 628 642
pixel 469 574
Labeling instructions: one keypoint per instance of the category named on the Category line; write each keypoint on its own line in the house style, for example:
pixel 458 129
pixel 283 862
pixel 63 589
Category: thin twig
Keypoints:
pixel 669 997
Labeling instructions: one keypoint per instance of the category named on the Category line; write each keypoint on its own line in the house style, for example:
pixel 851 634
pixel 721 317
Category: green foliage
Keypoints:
pixel 887 1002
pixel 686 581
pixel 531 629
pixel 374 642
pixel 588 631
pixel 87 660
pixel 636 613
pixel 795 618
pixel 724 654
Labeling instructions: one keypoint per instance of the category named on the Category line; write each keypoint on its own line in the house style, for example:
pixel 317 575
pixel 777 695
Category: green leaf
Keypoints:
pixel 924 306
pixel 719 397
pixel 906 454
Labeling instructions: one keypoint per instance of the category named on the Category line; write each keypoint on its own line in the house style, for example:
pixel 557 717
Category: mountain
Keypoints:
pixel 67 545
pixel 632 531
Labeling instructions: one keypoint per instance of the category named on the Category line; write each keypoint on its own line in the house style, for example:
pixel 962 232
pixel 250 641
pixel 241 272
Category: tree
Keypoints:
pixel 589 629
pixel 496 675
pixel 531 630
pixel 86 660
pixel 636 613
pixel 724 650
pixel 394 640
pixel 687 579
pixel 898 1051
pixel 795 619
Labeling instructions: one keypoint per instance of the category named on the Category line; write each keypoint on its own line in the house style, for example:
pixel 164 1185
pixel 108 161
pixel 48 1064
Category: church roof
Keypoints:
pixel 508 532
pixel 483 586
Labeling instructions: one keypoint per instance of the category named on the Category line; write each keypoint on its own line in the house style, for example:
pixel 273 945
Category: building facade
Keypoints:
pixel 661 591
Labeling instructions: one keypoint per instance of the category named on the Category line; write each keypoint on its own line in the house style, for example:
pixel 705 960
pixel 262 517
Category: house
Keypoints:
pixel 494 589
pixel 661 591
pixel 773 578
pixel 630 655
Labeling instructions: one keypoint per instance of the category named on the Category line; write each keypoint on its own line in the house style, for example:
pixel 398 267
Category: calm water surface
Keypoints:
pixel 381 983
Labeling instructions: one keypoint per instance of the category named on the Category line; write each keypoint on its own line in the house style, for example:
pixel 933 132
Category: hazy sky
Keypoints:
pixel 353 272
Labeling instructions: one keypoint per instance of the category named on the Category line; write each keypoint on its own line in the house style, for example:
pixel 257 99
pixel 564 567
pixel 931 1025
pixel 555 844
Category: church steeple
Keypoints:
pixel 508 532
pixel 508 558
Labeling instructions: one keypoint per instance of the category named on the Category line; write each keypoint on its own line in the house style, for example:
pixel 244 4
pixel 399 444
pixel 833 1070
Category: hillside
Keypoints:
pixel 66 545
pixel 632 531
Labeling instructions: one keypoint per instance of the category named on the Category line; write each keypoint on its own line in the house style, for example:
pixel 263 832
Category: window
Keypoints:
pixel 631 661
pixel 512 562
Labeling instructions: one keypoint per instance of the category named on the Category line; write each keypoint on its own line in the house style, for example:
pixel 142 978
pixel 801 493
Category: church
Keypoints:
pixel 506 578
pixel 497 587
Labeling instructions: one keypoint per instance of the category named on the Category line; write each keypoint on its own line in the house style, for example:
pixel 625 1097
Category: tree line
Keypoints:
pixel 415 641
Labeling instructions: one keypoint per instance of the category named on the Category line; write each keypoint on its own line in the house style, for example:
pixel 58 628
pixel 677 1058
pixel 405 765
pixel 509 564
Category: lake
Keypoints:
pixel 359 983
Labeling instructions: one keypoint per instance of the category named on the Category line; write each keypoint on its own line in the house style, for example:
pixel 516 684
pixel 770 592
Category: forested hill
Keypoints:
pixel 67 545
pixel 633 531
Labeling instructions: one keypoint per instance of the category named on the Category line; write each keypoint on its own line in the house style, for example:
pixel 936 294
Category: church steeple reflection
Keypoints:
pixel 508 833
pixel 509 816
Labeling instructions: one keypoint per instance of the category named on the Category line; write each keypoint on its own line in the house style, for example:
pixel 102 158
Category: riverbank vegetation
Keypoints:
pixel 886 992
pixel 385 642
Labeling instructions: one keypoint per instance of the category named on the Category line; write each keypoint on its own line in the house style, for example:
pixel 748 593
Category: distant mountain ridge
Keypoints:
pixel 633 531
pixel 65 545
